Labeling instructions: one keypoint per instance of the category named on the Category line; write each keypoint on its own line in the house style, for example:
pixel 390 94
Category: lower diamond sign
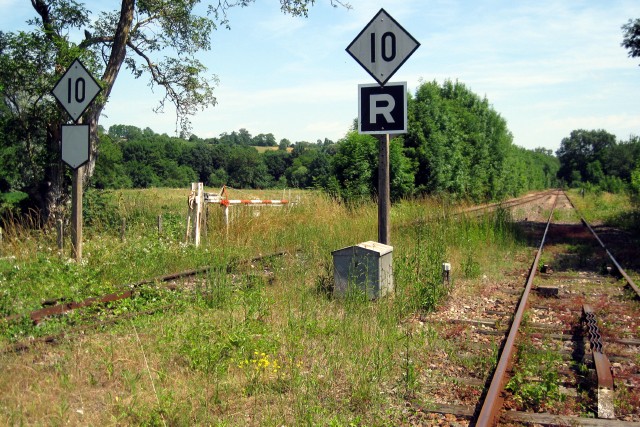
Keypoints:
pixel 75 145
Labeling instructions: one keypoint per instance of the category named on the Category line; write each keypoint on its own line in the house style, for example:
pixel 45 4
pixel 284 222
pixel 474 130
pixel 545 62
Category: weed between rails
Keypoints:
pixel 535 384
pixel 263 339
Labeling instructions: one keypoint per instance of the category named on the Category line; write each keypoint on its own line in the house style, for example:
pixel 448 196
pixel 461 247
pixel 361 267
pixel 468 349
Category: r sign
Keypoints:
pixel 382 109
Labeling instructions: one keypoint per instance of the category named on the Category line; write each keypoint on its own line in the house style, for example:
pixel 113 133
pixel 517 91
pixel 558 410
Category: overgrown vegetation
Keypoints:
pixel 536 382
pixel 262 338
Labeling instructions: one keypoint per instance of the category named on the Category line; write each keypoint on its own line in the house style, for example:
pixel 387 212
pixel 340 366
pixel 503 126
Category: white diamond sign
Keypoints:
pixel 76 90
pixel 382 47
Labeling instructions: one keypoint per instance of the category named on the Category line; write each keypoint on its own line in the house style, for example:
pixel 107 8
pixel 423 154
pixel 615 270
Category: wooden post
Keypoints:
pixel 76 213
pixel 123 229
pixel 197 221
pixel 384 192
pixel 60 230
pixel 225 212
pixel 194 215
pixel 159 225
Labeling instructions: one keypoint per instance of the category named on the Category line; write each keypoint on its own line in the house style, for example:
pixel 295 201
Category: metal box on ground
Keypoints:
pixel 366 267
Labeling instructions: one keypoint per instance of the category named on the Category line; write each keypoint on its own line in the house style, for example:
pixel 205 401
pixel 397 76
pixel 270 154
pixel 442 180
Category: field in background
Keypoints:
pixel 258 340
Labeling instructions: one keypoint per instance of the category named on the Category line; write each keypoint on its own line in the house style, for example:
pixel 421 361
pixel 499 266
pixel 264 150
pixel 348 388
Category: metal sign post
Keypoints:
pixel 75 91
pixel 381 48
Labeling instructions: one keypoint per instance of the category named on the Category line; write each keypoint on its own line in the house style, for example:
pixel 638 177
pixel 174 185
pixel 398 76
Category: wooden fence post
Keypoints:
pixel 60 232
pixel 123 229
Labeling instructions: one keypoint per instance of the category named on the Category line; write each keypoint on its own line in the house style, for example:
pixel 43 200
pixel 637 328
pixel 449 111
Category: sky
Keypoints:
pixel 546 66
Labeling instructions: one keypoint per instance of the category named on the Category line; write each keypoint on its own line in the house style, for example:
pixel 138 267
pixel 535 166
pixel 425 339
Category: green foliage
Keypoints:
pixel 167 37
pixel 631 40
pixel 355 169
pixel 10 201
pixel 536 383
pixel 463 147
pixel 596 159
pixel 100 210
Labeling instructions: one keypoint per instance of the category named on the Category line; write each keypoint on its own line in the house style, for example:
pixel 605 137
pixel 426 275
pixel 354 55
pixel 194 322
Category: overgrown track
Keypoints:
pixel 175 282
pixel 580 318
pixel 578 278
pixel 576 354
pixel 511 203
pixel 56 307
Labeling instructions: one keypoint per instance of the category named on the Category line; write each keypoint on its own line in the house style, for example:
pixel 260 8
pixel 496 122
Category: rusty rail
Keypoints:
pixel 623 273
pixel 493 400
pixel 508 203
pixel 55 307
pixel 602 364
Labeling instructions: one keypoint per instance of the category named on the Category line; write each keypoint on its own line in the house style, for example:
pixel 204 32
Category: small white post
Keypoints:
pixel 195 206
pixel 446 273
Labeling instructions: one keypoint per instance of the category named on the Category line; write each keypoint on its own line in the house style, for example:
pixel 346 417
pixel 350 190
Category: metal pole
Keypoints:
pixel 76 213
pixel 384 192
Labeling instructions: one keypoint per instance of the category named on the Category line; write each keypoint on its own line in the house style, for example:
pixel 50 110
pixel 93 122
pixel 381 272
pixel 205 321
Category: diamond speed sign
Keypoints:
pixel 382 47
pixel 76 90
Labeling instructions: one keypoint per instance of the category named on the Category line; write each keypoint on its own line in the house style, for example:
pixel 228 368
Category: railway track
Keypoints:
pixel 568 313
pixel 571 354
pixel 180 281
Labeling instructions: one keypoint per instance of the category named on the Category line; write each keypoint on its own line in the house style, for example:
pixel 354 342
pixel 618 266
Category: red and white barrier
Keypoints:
pixel 198 198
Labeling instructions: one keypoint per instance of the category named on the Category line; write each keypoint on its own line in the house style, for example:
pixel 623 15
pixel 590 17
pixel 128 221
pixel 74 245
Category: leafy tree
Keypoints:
pixel 218 178
pixel 284 144
pixel 124 132
pixel 246 169
pixel 582 154
pixel 277 163
pixel 30 136
pixel 152 38
pixel 355 169
pixel 110 171
pixel 457 142
pixel 401 171
pixel 631 40
pixel 264 140
pixel 619 160
pixel 320 169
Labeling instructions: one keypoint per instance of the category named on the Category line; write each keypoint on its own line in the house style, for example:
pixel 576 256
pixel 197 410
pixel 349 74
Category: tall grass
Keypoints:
pixel 257 340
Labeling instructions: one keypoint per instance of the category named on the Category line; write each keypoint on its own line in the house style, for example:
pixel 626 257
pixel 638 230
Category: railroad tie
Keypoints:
pixel 602 364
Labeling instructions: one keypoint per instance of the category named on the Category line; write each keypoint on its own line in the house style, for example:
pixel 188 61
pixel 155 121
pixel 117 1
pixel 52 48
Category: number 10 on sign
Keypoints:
pixel 387 47
pixel 76 90
pixel 382 47
pixel 79 90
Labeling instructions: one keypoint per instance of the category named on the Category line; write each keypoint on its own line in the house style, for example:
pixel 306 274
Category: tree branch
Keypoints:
pixel 92 41
pixel 43 10
pixel 119 48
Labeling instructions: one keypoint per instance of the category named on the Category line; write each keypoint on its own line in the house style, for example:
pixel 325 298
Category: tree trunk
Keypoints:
pixel 116 58
pixel 53 193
